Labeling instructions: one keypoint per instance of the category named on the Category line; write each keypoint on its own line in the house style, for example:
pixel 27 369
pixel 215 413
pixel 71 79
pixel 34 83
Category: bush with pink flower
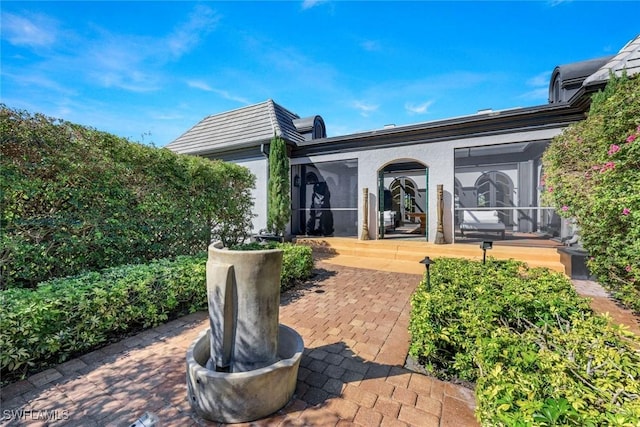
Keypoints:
pixel 594 170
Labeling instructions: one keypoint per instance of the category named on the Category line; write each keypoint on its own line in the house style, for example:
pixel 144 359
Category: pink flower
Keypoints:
pixel 550 189
pixel 631 138
pixel 607 166
pixel 626 211
pixel 565 208
pixel 613 149
pixel 595 167
pixel 628 268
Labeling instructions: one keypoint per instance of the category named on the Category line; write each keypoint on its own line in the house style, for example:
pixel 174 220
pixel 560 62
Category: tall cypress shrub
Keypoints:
pixel 278 198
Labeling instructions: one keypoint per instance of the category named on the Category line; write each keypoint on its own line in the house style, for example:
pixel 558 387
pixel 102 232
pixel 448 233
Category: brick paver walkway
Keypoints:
pixel 354 324
pixel 602 302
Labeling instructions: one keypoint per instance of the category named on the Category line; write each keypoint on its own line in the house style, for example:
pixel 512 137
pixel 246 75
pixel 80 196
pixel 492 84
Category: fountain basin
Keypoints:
pixel 235 397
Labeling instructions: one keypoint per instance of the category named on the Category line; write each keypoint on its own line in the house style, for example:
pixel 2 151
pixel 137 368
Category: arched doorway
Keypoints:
pixel 403 197
pixel 494 190
pixel 403 200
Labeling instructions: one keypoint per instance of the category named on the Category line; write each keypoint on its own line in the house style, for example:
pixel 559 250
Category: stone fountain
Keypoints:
pixel 245 366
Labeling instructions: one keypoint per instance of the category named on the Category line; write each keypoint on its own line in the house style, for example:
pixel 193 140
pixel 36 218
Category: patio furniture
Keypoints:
pixel 422 217
pixel 389 220
pixel 482 221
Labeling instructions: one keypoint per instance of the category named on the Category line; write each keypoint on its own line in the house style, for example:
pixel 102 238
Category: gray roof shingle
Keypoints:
pixel 241 128
pixel 627 59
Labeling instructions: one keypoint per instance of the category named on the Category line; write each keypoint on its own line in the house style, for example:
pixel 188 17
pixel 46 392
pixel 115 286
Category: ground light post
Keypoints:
pixel 487 244
pixel 427 262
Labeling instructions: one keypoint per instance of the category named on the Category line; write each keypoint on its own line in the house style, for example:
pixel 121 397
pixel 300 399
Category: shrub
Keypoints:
pixel 536 350
pixel 64 317
pixel 578 371
pixel 297 264
pixel 593 176
pixel 74 199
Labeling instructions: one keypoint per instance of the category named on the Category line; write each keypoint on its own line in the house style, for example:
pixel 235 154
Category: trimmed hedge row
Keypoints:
pixel 64 317
pixel 74 199
pixel 538 354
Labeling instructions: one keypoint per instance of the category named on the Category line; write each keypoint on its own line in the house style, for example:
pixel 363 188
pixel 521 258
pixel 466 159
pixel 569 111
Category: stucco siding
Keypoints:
pixel 259 167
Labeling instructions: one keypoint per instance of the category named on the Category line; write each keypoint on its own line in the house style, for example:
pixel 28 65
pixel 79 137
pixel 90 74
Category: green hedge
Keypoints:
pixel 538 354
pixel 297 264
pixel 64 317
pixel 73 199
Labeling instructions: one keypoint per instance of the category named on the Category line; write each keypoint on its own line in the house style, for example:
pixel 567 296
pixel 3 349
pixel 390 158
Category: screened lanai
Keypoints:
pixel 498 194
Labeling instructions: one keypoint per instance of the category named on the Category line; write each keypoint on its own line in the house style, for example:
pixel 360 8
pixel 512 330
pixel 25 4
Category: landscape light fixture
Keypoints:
pixel 487 244
pixel 427 262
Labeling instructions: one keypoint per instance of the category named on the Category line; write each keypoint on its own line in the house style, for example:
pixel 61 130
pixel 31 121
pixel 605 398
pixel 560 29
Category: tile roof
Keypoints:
pixel 627 59
pixel 241 128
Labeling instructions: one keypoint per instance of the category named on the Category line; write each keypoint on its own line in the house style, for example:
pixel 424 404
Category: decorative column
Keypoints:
pixel 440 233
pixel 365 214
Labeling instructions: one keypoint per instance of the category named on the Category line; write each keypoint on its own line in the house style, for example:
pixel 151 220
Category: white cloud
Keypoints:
pixel 540 87
pixel 541 79
pixel 231 97
pixel 166 116
pixel 536 94
pixel 33 31
pixel 364 108
pixel 308 4
pixel 370 45
pixel 186 36
pixel 134 63
pixel 132 81
pixel 100 56
pixel 198 84
pixel 554 3
pixel 124 62
pixel 418 108
pixel 35 80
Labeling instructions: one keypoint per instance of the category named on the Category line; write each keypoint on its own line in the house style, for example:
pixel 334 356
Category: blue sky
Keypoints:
pixel 149 71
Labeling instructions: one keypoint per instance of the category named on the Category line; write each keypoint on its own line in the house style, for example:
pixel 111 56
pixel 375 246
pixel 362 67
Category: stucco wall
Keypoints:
pixel 260 168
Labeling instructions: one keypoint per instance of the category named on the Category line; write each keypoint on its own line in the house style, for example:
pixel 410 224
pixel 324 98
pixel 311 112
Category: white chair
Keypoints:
pixel 389 220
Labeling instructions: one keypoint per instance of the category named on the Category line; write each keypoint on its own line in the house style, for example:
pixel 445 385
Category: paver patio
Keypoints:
pixel 354 325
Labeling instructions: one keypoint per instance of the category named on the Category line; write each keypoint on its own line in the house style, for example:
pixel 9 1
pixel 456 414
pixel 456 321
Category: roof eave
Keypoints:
pixel 508 121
